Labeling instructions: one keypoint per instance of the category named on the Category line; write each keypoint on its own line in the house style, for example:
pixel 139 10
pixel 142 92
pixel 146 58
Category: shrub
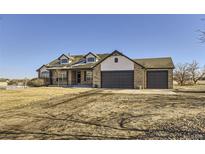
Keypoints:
pixel 3 79
pixel 36 82
pixel 13 82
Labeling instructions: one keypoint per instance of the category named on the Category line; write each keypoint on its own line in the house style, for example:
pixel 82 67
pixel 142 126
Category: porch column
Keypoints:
pixel 69 77
pixel 51 77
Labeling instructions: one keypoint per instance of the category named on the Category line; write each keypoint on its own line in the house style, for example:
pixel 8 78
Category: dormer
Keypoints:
pixel 91 58
pixel 63 59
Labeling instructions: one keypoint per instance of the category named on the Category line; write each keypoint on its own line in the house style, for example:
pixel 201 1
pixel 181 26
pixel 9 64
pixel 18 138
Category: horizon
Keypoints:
pixel 29 41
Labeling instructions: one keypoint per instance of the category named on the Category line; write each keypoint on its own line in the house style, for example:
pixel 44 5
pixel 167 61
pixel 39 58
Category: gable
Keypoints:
pixel 63 57
pixel 117 53
pixel 43 69
pixel 90 56
pixel 122 63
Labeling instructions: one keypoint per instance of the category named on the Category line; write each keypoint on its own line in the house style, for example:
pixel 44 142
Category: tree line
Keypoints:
pixel 188 73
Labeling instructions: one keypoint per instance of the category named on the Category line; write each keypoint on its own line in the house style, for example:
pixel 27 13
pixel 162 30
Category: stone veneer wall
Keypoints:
pixel 170 76
pixel 139 73
pixel 97 76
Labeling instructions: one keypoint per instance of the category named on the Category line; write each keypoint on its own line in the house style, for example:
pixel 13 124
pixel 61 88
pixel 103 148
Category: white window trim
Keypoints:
pixel 64 59
pixel 94 60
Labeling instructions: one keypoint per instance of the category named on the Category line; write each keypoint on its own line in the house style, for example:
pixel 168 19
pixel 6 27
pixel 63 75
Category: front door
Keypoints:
pixel 78 77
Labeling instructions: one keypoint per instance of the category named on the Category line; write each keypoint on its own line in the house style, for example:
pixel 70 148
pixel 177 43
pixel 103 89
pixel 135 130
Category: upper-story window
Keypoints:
pixel 64 61
pixel 91 59
pixel 116 60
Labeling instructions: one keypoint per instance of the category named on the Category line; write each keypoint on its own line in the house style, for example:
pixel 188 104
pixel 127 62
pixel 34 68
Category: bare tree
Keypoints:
pixel 203 71
pixel 181 73
pixel 202 36
pixel 195 73
pixel 202 33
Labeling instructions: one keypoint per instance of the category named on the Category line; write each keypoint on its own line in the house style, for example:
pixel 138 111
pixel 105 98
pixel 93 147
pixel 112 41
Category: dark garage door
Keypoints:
pixel 157 79
pixel 117 79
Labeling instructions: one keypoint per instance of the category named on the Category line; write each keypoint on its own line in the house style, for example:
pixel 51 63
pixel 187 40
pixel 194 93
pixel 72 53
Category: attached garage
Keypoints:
pixel 119 71
pixel 117 79
pixel 157 79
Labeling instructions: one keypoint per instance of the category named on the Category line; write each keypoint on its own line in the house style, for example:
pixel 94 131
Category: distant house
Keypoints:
pixel 114 70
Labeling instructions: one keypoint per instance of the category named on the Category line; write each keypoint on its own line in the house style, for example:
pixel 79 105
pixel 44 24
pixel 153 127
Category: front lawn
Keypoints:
pixel 19 97
pixel 75 113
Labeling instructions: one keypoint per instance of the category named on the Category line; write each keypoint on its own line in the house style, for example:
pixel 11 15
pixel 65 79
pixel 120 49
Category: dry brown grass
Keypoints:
pixel 95 114
pixel 19 97
pixel 3 84
pixel 198 87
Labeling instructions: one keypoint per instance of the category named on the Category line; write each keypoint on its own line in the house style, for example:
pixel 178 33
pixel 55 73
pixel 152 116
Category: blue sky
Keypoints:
pixel 28 41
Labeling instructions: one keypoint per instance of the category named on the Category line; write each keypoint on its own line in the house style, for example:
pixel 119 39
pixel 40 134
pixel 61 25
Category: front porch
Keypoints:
pixel 71 78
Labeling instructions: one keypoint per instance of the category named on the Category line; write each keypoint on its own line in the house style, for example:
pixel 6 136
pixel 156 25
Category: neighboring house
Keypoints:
pixel 114 70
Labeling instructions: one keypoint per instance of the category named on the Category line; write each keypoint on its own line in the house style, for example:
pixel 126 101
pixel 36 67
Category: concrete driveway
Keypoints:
pixel 138 91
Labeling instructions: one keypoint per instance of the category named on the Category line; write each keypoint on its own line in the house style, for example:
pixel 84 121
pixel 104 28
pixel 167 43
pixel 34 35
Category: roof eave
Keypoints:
pixel 91 54
pixel 63 55
pixel 159 67
pixel 40 67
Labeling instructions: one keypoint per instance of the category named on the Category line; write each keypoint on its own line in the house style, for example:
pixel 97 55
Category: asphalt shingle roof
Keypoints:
pixel 165 62
pixel 75 59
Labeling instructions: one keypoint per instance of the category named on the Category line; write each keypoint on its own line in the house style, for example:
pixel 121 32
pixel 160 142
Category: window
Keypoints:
pixel 88 75
pixel 91 59
pixel 45 74
pixel 62 75
pixel 64 61
pixel 116 60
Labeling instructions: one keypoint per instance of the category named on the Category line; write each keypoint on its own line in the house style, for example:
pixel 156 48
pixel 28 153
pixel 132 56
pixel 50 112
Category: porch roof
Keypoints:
pixel 76 66
pixel 57 68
